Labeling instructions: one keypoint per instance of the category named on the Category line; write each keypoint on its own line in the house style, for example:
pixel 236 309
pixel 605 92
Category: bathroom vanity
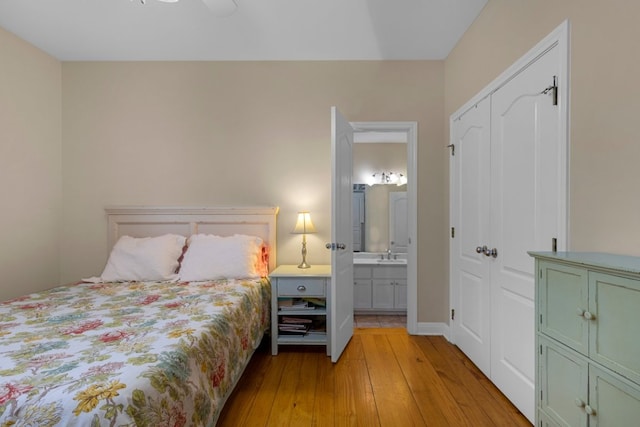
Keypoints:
pixel 380 283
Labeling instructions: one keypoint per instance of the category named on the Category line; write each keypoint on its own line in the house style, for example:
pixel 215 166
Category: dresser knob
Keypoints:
pixel 580 312
pixel 589 410
pixel 589 316
pixel 579 402
pixel 302 288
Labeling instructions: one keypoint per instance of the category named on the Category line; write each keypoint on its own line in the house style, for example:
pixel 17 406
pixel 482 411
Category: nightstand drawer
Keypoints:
pixel 301 287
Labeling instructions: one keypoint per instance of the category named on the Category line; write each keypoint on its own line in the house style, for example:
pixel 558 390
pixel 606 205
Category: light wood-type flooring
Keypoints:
pixel 385 377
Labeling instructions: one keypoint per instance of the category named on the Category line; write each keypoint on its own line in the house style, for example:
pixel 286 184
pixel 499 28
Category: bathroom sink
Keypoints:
pixel 391 261
pixel 378 258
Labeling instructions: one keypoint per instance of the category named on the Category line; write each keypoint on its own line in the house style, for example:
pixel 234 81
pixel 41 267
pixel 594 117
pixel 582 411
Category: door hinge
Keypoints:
pixel 453 232
pixel 453 149
pixel 554 91
pixel 554 244
pixel 453 314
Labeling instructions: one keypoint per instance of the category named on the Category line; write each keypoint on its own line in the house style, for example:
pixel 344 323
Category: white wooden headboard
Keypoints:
pixel 150 221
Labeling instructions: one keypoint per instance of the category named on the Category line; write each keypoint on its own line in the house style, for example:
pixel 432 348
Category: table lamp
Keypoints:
pixel 304 226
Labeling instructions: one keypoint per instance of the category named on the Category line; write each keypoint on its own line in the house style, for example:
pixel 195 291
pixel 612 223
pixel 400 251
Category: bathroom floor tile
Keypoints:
pixel 380 321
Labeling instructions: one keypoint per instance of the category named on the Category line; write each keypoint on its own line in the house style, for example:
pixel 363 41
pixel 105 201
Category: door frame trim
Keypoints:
pixel 558 37
pixel 411 130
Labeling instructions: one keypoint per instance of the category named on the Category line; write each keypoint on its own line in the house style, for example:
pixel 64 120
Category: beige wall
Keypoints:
pixel 162 134
pixel 369 158
pixel 30 167
pixel 605 88
pixel 239 133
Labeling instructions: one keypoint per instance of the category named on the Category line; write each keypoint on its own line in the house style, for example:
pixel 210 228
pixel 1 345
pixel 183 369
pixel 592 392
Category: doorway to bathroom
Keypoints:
pixel 385 245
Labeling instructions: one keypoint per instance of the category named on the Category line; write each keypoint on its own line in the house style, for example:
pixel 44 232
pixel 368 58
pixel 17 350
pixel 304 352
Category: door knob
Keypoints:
pixel 486 251
pixel 334 246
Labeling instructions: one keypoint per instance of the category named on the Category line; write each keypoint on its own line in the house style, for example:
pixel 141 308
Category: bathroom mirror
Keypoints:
pixel 379 220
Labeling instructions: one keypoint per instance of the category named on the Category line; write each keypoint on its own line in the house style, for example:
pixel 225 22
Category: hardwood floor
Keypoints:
pixel 385 377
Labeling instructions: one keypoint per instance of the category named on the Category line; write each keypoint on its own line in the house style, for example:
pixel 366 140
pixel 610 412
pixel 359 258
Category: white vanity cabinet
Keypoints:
pixel 588 339
pixel 362 293
pixel 380 288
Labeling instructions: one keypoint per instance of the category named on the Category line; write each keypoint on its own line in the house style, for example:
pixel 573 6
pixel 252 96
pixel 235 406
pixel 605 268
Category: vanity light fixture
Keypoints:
pixel 387 178
pixel 304 226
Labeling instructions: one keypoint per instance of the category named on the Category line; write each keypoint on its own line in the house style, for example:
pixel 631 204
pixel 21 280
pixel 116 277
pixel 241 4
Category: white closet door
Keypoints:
pixel 525 185
pixel 508 192
pixel 470 196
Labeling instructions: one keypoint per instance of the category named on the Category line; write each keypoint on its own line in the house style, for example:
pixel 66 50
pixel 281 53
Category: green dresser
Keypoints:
pixel 588 339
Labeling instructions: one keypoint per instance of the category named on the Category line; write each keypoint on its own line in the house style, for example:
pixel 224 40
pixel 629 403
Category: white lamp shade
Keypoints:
pixel 304 224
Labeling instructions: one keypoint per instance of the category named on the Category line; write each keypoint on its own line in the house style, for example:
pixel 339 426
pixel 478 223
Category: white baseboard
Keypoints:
pixel 433 329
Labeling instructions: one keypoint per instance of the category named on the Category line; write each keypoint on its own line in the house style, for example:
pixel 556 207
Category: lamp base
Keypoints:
pixel 304 264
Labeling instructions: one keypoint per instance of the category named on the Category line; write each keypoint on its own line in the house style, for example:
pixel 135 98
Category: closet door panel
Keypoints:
pixel 470 273
pixel 524 195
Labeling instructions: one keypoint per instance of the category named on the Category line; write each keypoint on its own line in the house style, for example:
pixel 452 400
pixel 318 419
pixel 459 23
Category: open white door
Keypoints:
pixel 341 297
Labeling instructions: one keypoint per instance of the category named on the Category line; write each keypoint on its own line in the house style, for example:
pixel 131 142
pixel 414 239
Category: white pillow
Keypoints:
pixel 210 257
pixel 144 259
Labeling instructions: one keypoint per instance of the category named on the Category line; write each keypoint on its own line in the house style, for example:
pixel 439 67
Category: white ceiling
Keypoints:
pixel 74 30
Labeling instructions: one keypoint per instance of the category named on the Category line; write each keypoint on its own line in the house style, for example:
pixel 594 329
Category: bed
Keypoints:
pixel 146 353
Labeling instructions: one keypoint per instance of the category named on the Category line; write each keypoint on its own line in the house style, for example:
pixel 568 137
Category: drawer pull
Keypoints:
pixel 301 288
pixel 586 314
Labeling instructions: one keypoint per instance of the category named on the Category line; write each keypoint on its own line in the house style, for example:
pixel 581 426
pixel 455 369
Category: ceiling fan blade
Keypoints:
pixel 221 7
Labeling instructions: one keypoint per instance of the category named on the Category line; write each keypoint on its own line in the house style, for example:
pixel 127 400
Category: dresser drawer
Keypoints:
pixel 563 295
pixel 301 287
pixel 615 304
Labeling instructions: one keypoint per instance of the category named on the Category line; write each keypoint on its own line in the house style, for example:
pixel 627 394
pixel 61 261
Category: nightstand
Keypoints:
pixel 299 303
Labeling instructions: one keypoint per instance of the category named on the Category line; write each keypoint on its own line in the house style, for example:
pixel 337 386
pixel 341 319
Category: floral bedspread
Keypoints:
pixel 124 354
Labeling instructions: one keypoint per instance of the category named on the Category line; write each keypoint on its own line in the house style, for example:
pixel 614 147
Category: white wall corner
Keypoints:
pixel 433 329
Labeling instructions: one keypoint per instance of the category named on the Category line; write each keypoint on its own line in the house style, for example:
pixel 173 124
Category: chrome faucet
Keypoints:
pixel 389 253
